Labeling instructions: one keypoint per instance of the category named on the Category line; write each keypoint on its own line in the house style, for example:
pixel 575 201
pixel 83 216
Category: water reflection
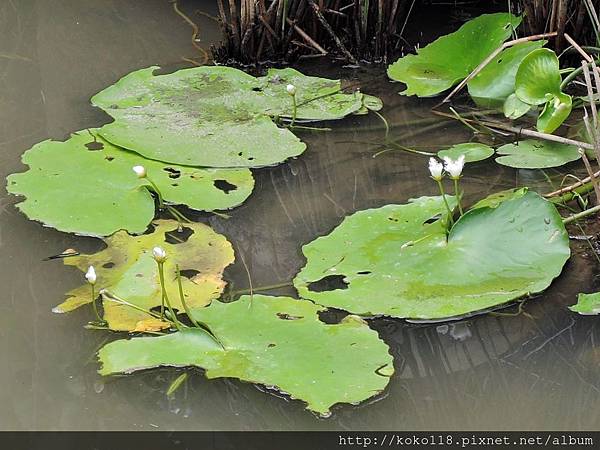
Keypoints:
pixel 528 371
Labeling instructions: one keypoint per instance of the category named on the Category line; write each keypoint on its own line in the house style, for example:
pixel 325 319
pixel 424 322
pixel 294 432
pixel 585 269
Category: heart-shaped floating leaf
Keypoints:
pixel 496 82
pixel 85 185
pixel 514 107
pixel 396 260
pixel 538 76
pixel 472 151
pixel 274 341
pixel 555 113
pixel 587 304
pixel 534 154
pixel 217 116
pixel 127 271
pixel 449 59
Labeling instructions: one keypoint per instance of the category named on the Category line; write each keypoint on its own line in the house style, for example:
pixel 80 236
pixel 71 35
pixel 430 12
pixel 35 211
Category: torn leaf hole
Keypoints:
pixel 178 237
pixel 94 146
pixel 433 219
pixel 329 283
pixel 108 265
pixel 189 273
pixel 225 186
pixel 285 316
pixel 364 272
pixel 109 158
pixel 173 173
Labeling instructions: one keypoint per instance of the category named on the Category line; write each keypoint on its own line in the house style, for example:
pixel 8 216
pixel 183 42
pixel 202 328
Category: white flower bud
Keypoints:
pixel 159 254
pixel 291 89
pixel 90 275
pixel 436 169
pixel 454 168
pixel 140 171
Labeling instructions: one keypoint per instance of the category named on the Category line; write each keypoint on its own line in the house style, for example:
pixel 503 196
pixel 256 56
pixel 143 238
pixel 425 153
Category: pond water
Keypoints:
pixel 538 370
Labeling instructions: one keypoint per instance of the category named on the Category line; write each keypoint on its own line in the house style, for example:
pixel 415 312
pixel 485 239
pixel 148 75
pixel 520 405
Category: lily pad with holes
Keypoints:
pixel 534 154
pixel 587 304
pixel 472 151
pixel 451 58
pixel 127 271
pixel 496 82
pixel 397 260
pixel 86 185
pixel 218 116
pixel 275 341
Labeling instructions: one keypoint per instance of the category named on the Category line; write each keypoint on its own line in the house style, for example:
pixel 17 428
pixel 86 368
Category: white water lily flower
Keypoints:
pixel 140 171
pixel 454 168
pixel 436 169
pixel 159 254
pixel 291 89
pixel 90 275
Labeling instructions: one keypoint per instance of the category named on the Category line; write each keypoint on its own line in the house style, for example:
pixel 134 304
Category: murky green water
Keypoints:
pixel 535 371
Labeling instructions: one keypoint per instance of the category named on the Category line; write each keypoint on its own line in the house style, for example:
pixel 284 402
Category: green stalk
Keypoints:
pixel 165 297
pixel 581 215
pixel 161 203
pixel 439 182
pixel 458 196
pixel 295 109
pixel 94 304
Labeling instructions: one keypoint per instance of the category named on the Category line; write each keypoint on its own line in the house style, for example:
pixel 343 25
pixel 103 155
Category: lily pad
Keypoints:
pixel 217 116
pixel 587 304
pixel 397 261
pixel 538 76
pixel 534 154
pixel 496 82
pixel 473 151
pixel 86 185
pixel 127 271
pixel 514 107
pixel 275 341
pixel 451 58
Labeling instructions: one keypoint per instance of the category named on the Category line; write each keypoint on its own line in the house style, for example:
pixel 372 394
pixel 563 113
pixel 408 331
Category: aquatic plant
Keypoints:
pixel 218 116
pixel 110 198
pixel 536 154
pixel 587 304
pixel 471 151
pixel 454 169
pixel 275 341
pixel 401 261
pixel 133 268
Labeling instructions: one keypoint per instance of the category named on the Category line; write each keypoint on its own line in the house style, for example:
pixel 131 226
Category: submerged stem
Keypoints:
pixel 581 215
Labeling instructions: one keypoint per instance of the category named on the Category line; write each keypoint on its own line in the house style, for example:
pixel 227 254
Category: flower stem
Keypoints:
pixel 94 304
pixel 450 219
pixel 165 297
pixel 295 110
pixel 458 196
pixel 161 203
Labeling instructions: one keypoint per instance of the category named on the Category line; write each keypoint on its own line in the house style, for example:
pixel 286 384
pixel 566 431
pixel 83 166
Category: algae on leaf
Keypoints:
pixel 127 271
pixel 218 116
pixel 274 341
pixel 86 185
pixel 397 261
pixel 534 154
pixel 451 58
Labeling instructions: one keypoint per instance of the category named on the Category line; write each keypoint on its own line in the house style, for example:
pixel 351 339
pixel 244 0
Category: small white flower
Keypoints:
pixel 140 171
pixel 454 168
pixel 90 275
pixel 159 254
pixel 436 169
pixel 291 89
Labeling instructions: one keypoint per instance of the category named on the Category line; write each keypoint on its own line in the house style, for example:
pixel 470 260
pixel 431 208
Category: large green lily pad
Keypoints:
pixel 86 185
pixel 217 116
pixel 587 304
pixel 496 82
pixel 534 154
pixel 275 341
pixel 127 270
pixel 396 260
pixel 451 58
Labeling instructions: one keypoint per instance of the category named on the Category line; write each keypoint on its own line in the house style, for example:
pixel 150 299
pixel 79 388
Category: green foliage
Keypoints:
pixel 473 151
pixel 86 186
pixel 275 341
pixel 587 304
pixel 127 270
pixel 218 116
pixel 451 58
pixel 538 82
pixel 397 260
pixel 534 154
